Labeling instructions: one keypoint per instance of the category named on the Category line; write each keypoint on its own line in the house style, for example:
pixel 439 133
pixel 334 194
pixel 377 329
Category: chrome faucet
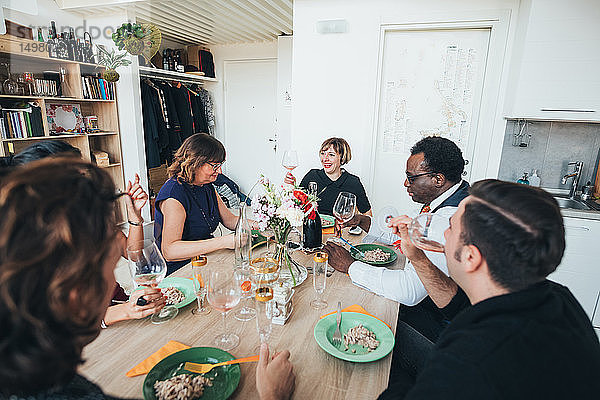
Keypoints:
pixel 575 175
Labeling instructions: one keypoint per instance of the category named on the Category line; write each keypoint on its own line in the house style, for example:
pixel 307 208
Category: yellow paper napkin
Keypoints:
pixel 357 309
pixel 328 231
pixel 145 366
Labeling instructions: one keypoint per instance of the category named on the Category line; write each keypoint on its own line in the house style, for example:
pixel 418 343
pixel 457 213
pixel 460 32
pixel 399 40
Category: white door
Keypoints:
pixel 250 120
pixel 431 84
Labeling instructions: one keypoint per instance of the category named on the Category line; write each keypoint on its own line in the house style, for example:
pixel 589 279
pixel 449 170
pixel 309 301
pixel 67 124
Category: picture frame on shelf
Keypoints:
pixel 64 118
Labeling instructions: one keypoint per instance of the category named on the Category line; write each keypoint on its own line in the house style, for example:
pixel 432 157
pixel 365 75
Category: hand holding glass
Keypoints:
pixel 149 268
pixel 426 231
pixel 343 210
pixel 224 294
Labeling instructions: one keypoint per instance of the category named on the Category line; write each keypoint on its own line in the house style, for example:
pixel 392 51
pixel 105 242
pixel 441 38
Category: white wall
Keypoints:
pixel 335 75
pixel 222 53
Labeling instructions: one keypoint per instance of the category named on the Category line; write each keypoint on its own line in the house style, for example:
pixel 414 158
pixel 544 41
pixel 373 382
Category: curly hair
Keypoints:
pixel 56 233
pixel 340 146
pixel 518 229
pixel 194 152
pixel 441 156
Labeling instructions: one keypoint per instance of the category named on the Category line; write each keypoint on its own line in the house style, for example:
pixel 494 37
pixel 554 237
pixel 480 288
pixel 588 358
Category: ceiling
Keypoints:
pixel 203 22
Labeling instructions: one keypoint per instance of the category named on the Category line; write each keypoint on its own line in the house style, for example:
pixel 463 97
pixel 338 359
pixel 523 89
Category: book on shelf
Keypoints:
pixel 20 123
pixel 97 88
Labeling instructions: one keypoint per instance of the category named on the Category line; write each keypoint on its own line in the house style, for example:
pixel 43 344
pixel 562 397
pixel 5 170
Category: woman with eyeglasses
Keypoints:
pixel 187 208
pixel 333 179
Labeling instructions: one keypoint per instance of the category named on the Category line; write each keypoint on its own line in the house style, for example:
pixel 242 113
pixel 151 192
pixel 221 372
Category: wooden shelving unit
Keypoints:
pixel 14 51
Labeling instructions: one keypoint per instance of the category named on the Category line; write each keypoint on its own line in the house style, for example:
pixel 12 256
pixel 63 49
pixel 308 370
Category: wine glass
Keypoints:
pixel 149 268
pixel 290 160
pixel 224 294
pixel 199 276
pixel 242 275
pixel 426 231
pixel 319 279
pixel 343 210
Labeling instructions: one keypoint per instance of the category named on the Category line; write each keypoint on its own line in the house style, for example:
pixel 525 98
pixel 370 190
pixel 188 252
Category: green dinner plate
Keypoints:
pixel 366 247
pixel 225 379
pixel 327 221
pixel 326 326
pixel 185 285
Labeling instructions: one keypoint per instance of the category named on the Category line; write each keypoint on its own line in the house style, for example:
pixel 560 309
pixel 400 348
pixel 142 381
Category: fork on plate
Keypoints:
pixel 336 339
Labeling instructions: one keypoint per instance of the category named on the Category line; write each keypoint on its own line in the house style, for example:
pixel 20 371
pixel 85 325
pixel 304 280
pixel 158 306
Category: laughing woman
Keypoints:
pixel 187 208
pixel 333 179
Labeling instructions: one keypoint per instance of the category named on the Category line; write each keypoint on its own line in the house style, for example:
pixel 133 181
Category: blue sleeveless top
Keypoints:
pixel 201 208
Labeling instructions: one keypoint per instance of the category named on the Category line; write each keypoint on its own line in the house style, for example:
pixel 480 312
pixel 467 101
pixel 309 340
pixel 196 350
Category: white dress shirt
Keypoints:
pixel 403 286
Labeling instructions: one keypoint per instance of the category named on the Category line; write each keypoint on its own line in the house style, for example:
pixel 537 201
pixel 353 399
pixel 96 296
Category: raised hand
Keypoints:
pixel 135 200
pixel 290 179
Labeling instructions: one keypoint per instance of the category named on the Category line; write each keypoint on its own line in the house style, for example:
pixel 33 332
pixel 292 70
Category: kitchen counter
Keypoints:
pixel 586 214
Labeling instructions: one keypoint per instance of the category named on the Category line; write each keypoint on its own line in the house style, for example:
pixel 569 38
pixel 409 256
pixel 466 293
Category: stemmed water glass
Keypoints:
pixel 200 276
pixel 149 268
pixel 426 231
pixel 224 294
pixel 290 160
pixel 343 210
pixel 319 279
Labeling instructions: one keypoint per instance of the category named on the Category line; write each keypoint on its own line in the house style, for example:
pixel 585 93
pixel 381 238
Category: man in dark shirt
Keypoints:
pixel 523 336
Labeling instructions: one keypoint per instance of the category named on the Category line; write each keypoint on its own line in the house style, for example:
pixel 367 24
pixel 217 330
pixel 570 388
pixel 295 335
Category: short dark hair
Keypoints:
pixel 340 146
pixel 56 232
pixel 44 149
pixel 517 228
pixel 195 151
pixel 442 156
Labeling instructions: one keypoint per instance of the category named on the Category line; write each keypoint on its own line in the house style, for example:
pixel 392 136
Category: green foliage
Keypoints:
pixel 124 32
pixel 111 60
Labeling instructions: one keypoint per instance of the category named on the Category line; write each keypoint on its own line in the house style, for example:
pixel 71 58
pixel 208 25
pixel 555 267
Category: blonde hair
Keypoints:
pixel 340 146
pixel 194 152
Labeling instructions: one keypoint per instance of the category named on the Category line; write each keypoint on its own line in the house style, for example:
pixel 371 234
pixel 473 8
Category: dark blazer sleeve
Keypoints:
pixel 362 200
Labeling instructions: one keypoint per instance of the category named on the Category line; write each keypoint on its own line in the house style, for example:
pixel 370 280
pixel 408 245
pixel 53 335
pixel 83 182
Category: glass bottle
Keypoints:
pixel 243 239
pixel 312 229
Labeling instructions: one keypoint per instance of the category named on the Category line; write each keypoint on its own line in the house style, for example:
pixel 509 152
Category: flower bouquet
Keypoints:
pixel 281 210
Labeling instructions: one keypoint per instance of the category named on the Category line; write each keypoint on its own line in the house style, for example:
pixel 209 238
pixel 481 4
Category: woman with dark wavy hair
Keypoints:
pixel 187 208
pixel 58 250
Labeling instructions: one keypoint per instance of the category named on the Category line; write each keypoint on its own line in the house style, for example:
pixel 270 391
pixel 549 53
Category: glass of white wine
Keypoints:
pixel 343 210
pixel 149 268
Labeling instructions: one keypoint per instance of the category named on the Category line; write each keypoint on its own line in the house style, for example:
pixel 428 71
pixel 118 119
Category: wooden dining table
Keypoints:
pixel 318 374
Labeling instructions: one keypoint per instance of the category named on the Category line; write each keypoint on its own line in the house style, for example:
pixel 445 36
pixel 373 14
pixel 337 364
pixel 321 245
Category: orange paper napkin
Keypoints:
pixel 328 231
pixel 145 366
pixel 357 309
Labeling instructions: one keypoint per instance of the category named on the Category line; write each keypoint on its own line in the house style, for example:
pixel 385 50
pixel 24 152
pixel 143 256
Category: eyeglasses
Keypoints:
pixel 216 166
pixel 412 178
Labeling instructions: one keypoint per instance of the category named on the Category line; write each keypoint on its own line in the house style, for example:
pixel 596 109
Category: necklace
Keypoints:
pixel 212 223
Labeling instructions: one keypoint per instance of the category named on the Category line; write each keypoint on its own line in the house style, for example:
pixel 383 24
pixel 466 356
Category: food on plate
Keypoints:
pixel 181 387
pixel 173 295
pixel 361 336
pixel 377 255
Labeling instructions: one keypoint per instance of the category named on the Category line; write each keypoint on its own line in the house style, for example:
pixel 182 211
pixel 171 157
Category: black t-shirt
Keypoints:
pixel 329 190
pixel 537 343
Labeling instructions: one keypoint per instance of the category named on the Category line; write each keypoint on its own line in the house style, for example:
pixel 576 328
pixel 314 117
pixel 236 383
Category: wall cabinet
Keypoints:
pixel 558 73
pixel 580 266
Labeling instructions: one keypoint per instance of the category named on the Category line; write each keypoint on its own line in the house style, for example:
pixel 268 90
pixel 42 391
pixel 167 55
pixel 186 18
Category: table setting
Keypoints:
pixel 293 295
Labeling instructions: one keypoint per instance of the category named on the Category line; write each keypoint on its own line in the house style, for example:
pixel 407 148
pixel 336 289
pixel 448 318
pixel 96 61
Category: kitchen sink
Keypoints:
pixel 570 203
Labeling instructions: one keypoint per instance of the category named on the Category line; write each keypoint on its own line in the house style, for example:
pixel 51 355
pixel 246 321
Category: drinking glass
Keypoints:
pixel 200 276
pixel 426 231
pixel 224 294
pixel 264 313
pixel 319 279
pixel 343 210
pixel 149 268
pixel 290 160
pixel 242 275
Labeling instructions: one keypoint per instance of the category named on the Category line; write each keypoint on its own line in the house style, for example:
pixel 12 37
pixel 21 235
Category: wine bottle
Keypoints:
pixel 62 49
pixel 51 44
pixel 40 36
pixel 72 45
pixel 52 32
pixel 312 229
pixel 165 60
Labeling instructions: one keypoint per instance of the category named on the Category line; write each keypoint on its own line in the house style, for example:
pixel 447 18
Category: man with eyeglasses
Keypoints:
pixel 434 179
